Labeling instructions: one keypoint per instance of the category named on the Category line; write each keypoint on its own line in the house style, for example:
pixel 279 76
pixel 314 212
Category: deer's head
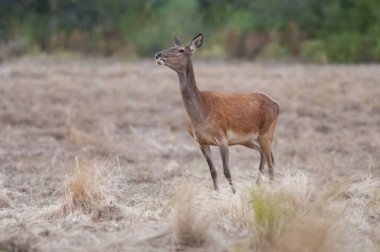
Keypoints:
pixel 177 57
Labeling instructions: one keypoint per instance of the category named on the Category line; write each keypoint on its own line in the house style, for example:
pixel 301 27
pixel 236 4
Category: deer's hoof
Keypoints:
pixel 259 179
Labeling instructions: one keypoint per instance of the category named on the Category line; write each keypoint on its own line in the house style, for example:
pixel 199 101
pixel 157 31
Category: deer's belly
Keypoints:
pixel 240 138
pixel 211 137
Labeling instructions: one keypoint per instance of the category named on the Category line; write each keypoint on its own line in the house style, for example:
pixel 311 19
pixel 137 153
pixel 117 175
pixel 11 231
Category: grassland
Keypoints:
pixel 94 156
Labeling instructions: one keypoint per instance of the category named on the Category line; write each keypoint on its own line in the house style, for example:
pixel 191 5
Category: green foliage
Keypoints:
pixel 275 50
pixel 270 215
pixel 323 30
pixel 314 50
pixel 243 21
pixel 345 47
pixel 265 212
pixel 374 42
pixel 153 30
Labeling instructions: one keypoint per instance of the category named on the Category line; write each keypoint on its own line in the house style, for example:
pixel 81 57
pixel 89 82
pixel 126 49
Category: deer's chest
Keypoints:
pixel 205 133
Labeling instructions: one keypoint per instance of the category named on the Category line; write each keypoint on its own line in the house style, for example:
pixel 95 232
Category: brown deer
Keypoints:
pixel 222 120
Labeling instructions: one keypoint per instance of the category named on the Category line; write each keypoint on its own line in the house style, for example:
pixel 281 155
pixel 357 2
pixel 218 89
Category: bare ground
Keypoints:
pixel 128 119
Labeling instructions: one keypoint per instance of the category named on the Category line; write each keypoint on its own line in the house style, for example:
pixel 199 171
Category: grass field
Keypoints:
pixel 94 156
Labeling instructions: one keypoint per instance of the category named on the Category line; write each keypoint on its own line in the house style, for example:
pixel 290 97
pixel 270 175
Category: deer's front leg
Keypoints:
pixel 226 170
pixel 208 156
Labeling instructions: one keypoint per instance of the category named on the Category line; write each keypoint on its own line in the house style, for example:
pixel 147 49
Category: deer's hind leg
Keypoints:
pixel 253 145
pixel 266 147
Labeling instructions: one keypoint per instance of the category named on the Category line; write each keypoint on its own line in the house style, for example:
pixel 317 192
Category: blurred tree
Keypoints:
pixel 339 30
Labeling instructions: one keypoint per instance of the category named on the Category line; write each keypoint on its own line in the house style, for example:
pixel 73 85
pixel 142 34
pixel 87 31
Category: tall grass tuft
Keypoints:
pixel 190 225
pixel 88 187
pixel 271 216
pixel 5 201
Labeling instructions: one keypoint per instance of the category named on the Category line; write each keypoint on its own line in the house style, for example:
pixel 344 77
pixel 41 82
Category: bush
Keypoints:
pixel 314 50
pixel 153 30
pixel 373 37
pixel 275 50
pixel 345 47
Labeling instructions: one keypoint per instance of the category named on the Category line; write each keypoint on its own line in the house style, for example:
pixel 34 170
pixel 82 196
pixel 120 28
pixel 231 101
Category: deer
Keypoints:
pixel 223 120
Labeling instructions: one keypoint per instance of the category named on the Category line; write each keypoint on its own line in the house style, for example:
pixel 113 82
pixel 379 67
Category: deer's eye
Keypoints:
pixel 181 50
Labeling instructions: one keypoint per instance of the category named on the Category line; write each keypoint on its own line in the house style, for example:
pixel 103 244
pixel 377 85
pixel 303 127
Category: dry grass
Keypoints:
pixel 291 215
pixel 88 187
pixel 5 201
pixel 190 225
pixel 298 216
pixel 144 185
pixel 102 144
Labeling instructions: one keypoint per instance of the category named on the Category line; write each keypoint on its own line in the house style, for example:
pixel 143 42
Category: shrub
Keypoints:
pixel 313 50
pixel 345 47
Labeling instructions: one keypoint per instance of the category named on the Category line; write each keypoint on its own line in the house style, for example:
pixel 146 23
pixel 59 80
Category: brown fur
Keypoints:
pixel 223 120
pixel 240 113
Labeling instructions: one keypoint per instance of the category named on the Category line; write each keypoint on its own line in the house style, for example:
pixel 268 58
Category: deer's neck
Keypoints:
pixel 191 97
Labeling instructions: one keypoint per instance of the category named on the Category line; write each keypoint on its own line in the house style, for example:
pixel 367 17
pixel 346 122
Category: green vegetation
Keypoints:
pixel 268 216
pixel 312 30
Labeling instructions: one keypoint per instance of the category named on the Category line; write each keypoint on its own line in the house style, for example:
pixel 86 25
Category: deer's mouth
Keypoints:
pixel 160 61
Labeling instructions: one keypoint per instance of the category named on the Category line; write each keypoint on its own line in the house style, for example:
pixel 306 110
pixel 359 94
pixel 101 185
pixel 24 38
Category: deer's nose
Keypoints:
pixel 157 55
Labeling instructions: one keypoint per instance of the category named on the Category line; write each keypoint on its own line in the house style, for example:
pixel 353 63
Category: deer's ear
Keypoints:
pixel 177 41
pixel 197 42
